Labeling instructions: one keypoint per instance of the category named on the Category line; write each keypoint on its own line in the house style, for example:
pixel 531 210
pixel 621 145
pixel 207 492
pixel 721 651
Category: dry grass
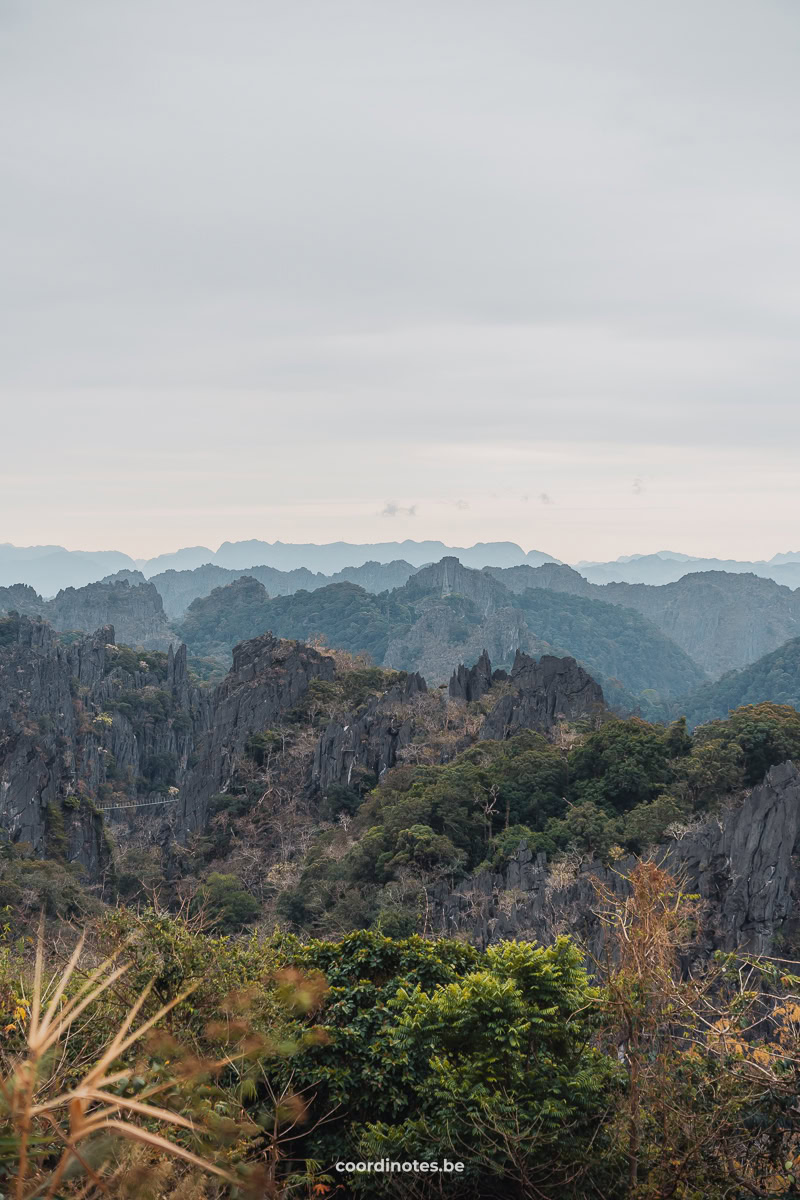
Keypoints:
pixel 41 1118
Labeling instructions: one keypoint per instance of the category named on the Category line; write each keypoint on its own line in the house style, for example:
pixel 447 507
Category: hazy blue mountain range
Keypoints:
pixel 50 568
pixel 336 556
pixel 668 567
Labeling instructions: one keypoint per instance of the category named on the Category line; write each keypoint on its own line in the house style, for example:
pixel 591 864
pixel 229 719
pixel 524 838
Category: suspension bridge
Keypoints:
pixel 138 804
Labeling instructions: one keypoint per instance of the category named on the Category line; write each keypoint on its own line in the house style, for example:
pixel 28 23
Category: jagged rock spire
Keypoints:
pixel 473 682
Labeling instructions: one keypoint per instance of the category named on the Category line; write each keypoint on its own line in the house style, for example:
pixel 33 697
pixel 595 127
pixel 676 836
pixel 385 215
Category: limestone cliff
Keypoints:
pixel 742 862
pixel 267 679
pixel 21 598
pixel 449 578
pixel 136 612
pixel 535 696
pixel 371 740
pixel 88 725
pixel 126 601
pixel 541 694
pixel 470 683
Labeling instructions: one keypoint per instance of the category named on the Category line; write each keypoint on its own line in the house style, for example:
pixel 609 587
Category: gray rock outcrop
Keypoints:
pixel 449 577
pixel 544 693
pixel 470 683
pixel 126 601
pixel 44 753
pixel 371 740
pixel 21 598
pixel 742 864
pixel 136 612
pixel 269 676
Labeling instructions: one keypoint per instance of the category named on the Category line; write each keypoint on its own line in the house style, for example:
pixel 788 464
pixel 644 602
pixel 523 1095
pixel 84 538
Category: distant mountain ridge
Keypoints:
pixel 50 568
pixel 329 558
pixel 723 621
pixel 445 614
pixel 668 567
pixel 179 588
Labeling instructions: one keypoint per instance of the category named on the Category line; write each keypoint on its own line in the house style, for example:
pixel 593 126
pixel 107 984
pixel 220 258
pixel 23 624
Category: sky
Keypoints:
pixel 369 270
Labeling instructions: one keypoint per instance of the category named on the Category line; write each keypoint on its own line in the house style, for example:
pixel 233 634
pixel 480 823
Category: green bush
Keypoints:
pixel 226 902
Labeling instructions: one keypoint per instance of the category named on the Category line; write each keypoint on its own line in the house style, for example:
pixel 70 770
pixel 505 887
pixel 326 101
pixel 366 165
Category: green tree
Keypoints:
pixel 226 902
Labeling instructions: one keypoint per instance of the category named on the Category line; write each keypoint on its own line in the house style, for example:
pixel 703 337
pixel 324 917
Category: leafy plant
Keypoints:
pixel 50 1132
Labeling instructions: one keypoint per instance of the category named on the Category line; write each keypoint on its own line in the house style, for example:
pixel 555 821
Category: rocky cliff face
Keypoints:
pixel 88 725
pixel 136 612
pixel 743 864
pixel 447 632
pixel 47 753
pixel 535 696
pixel 556 577
pixel 125 601
pixel 470 683
pixel 370 741
pixel 85 726
pixel 722 621
pixel 460 613
pixel 542 693
pixel 268 677
pixel 450 578
pixel 22 599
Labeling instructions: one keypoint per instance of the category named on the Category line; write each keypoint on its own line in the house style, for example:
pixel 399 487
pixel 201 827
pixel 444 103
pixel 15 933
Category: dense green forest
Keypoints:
pixel 774 677
pixel 346 615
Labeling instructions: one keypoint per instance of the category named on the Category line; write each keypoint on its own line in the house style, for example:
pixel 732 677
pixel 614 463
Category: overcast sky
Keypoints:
pixel 326 269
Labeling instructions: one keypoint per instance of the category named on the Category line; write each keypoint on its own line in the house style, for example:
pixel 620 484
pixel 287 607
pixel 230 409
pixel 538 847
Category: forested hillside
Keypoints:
pixel 179 588
pixel 775 677
pixel 614 642
pixel 723 621
pixel 445 614
pixel 349 617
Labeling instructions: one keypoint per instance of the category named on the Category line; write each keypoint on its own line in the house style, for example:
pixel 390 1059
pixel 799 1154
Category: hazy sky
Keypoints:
pixel 328 269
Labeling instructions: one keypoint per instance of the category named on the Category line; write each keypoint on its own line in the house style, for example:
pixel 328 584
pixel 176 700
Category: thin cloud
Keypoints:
pixel 397 510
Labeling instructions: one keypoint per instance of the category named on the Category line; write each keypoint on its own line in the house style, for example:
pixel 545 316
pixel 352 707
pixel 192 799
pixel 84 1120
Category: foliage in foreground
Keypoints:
pixel 271 1060
pixel 56 1129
